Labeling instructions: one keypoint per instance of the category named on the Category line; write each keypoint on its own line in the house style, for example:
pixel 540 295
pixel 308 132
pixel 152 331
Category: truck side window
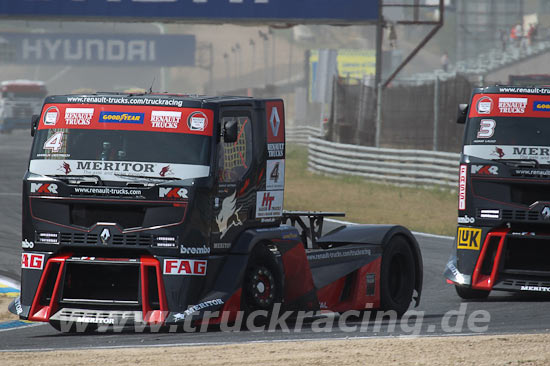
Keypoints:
pixel 234 158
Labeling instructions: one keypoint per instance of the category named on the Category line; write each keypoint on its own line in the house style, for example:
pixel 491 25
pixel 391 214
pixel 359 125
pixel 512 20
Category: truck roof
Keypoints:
pixel 22 82
pixel 514 89
pixel 137 98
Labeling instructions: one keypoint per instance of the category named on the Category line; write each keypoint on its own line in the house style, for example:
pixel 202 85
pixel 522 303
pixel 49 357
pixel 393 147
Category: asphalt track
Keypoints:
pixel 441 312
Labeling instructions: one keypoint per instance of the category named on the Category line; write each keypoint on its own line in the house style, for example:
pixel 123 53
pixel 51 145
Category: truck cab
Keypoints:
pixel 504 196
pixel 19 99
pixel 155 208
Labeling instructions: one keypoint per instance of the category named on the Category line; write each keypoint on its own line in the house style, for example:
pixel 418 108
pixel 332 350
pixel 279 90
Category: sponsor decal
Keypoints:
pixel 486 128
pixel 105 236
pixel 197 121
pixel 275 122
pixel 545 213
pixel 121 117
pixel 198 307
pixel 195 250
pixel 117 170
pixel 65 168
pixel 18 307
pixel 222 245
pixel 541 106
pixel 174 193
pixel 107 191
pixel 54 143
pixel 276 150
pixel 93 320
pixel 466 219
pixel 498 152
pixel 532 172
pixel 484 105
pixel 165 119
pixel 78 116
pixel 228 216
pixel 484 169
pixel 44 188
pixel 535 288
pixel 165 170
pixel 512 105
pixel 275 174
pixel 25 244
pixel 468 238
pixel 51 116
pixel 32 261
pixel 339 254
pixel 185 267
pixel 269 204
pixel 462 188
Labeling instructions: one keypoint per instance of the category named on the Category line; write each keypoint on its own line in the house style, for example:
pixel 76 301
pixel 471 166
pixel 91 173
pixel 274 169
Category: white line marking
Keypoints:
pixel 10 283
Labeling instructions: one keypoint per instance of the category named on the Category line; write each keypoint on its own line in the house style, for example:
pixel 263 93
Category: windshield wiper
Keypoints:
pixel 79 179
pixel 519 163
pixel 146 177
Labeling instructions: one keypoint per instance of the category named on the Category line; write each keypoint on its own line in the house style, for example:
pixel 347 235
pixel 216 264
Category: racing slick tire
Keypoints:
pixel 262 286
pixel 468 293
pixel 397 276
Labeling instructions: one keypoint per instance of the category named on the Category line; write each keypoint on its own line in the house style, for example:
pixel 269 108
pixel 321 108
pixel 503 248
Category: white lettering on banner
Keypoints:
pixel 185 267
pixel 89 49
pixel 462 188
pixel 276 150
pixel 539 153
pixel 165 119
pixel 512 105
pixel 32 261
pixel 168 192
pixel 195 250
pixel 78 116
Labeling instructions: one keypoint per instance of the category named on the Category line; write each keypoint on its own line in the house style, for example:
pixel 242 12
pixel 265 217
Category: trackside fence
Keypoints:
pixel 411 167
pixel 300 135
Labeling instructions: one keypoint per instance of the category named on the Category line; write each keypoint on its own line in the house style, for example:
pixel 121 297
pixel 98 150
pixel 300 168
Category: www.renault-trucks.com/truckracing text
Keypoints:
pixel 504 193
pixel 157 208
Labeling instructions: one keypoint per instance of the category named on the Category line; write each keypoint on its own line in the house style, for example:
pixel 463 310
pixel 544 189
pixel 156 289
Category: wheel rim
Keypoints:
pixel 261 287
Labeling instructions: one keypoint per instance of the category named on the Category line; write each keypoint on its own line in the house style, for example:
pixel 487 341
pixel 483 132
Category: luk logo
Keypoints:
pixel 32 261
pixel 468 238
pixel 185 267
pixel 44 188
pixel 176 193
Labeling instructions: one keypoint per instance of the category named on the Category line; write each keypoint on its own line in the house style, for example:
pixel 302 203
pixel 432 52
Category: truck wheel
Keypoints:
pixel 468 293
pixel 397 276
pixel 261 287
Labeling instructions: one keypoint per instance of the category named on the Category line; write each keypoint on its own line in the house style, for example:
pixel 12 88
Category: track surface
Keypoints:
pixel 509 313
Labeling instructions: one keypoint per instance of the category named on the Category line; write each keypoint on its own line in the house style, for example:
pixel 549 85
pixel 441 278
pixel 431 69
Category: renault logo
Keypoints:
pixel 105 236
pixel 546 213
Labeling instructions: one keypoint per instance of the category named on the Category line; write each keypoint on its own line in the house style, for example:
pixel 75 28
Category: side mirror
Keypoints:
pixel 230 131
pixel 462 113
pixel 34 123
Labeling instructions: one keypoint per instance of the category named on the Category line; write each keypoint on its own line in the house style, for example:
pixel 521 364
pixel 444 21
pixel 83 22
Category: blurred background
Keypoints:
pixel 325 73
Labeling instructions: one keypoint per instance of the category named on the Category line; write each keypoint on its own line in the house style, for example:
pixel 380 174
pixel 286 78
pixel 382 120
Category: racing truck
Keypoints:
pixel 143 209
pixel 503 194
pixel 19 99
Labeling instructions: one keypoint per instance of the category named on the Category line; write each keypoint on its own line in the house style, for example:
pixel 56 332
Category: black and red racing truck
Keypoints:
pixel 504 193
pixel 154 208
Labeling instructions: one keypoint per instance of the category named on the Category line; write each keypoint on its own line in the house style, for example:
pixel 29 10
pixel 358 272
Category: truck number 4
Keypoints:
pixel 54 143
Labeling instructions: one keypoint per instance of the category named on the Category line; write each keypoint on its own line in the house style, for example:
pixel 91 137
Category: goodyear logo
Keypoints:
pixel 121 117
pixel 541 106
pixel 468 238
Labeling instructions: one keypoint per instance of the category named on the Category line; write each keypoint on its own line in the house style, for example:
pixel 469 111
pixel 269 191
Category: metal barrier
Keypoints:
pixel 413 167
pixel 300 135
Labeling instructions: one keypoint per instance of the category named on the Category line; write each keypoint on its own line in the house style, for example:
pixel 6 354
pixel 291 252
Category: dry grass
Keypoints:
pixel 419 209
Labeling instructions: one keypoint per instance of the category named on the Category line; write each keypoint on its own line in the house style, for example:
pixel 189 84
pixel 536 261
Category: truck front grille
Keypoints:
pixel 117 240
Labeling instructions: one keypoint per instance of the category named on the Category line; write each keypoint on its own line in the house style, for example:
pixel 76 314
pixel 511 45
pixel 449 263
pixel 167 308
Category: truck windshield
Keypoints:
pixel 24 94
pixel 115 153
pixel 508 138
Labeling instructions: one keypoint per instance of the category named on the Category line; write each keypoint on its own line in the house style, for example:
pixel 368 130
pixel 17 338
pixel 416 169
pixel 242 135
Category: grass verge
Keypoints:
pixel 419 209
